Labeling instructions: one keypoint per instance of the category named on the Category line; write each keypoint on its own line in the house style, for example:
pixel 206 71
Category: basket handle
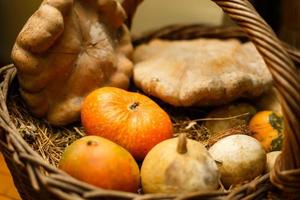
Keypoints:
pixel 286 174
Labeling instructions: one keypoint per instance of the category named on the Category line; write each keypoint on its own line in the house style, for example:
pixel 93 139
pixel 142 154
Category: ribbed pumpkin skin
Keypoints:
pixel 267 127
pixel 130 119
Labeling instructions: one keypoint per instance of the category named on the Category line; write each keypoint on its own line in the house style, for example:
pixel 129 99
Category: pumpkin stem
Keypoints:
pixel 92 143
pixel 134 106
pixel 181 145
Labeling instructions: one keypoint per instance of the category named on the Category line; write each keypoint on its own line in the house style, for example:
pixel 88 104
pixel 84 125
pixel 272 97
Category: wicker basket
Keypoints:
pixel 37 179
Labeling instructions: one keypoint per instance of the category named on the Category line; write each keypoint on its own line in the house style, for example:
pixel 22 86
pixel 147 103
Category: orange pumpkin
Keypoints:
pixel 267 127
pixel 130 119
pixel 102 163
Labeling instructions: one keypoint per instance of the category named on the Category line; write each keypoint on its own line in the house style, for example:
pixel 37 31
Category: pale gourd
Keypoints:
pixel 179 165
pixel 271 159
pixel 234 115
pixel 200 72
pixel 240 157
pixel 67 49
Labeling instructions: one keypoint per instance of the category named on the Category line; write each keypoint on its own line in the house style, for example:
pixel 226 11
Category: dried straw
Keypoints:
pixel 45 139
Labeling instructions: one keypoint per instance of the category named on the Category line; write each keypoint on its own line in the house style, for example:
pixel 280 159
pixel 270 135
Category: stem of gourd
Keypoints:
pixel 182 144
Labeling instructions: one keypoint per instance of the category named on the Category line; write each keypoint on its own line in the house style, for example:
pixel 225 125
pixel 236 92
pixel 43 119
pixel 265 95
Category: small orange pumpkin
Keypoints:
pixel 130 119
pixel 267 127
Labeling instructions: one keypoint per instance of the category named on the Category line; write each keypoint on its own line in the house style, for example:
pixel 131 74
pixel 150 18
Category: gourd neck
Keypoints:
pixel 182 144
